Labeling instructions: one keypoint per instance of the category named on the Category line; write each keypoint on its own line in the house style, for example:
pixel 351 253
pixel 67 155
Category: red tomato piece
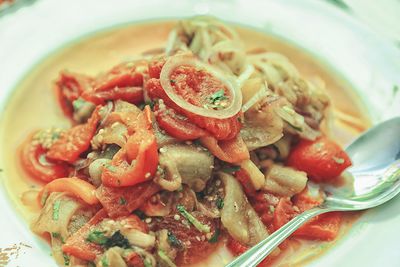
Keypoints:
pixel 232 151
pixel 221 129
pixel 283 213
pixel 323 160
pixel 75 141
pixel 325 227
pixel 137 161
pixel 243 177
pixel 123 82
pixel 195 248
pixel 35 163
pixel 155 68
pixel 177 125
pixel 121 201
pixel 68 88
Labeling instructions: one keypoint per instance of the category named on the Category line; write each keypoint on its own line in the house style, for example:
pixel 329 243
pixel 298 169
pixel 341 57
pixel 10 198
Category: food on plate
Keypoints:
pixel 181 151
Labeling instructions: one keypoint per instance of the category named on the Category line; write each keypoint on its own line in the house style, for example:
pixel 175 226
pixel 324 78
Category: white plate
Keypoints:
pixel 369 62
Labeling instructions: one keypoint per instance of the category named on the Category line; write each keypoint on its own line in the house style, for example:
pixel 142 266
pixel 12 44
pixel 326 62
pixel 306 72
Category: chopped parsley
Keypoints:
pixel 56 210
pixel 174 241
pixel 66 259
pixel 57 236
pixel 172 81
pixel 97 237
pixel 214 238
pixel 77 104
pixel 140 214
pixel 104 262
pixel 196 223
pixel 147 263
pixel 218 96
pixel 116 240
pixel 220 203
pixel 122 201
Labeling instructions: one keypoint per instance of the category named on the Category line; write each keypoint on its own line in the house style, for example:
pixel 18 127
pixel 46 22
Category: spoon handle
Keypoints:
pixel 256 254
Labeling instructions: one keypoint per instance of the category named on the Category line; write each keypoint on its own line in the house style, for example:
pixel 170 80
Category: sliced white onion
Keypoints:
pixel 245 75
pixel 185 60
pixel 260 95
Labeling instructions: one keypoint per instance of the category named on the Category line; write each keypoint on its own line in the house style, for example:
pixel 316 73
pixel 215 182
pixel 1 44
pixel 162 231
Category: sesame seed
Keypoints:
pixel 198 238
pixel 148 220
pixel 177 217
pixel 208 235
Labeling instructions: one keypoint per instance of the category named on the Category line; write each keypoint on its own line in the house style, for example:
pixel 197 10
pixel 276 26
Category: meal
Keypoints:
pixel 199 145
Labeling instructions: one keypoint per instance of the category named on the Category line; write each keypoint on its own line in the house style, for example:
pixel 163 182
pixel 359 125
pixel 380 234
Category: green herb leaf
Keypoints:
pixel 97 237
pixel 165 258
pixel 56 209
pixel 122 201
pixel 66 259
pixel 140 214
pixel 220 203
pixel 218 96
pixel 174 241
pixel 196 223
pixel 214 238
pixel 147 263
pixel 104 262
pixel 172 81
pixel 117 240
pixel 58 236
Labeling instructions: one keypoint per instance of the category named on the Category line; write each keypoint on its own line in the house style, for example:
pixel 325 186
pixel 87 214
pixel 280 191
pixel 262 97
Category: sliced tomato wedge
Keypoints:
pixel 191 90
pixel 75 141
pixel 323 160
pixel 121 201
pixel 77 244
pixel 36 164
pixel 243 177
pixel 123 82
pixel 232 151
pixel 176 125
pixel 69 87
pixel 137 161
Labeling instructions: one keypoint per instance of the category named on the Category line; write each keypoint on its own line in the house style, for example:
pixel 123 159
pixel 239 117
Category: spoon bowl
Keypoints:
pixel 376 179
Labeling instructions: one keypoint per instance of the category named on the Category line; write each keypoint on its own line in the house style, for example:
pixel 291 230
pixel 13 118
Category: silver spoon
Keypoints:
pixel 376 171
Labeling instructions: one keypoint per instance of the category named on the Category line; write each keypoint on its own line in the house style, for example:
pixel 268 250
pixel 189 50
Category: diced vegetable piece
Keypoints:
pixel 232 151
pixel 199 226
pixel 323 160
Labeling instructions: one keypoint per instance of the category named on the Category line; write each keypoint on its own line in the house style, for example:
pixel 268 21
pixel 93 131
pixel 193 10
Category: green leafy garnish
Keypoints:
pixel 220 203
pixel 196 223
pixel 214 238
pixel 147 263
pixel 140 214
pixel 218 96
pixel 230 169
pixel 117 240
pixel 165 258
pixel 122 201
pixel 338 160
pixel 97 237
pixel 77 104
pixel 58 236
pixel 66 259
pixel 174 241
pixel 56 209
pixel 172 81
pixel 104 262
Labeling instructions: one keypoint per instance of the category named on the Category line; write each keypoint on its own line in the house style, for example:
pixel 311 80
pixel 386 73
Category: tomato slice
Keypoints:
pixel 75 141
pixel 177 125
pixel 323 160
pixel 243 177
pixel 195 246
pixel 221 129
pixel 123 82
pixel 121 201
pixel 137 161
pixel 35 163
pixel 283 213
pixel 68 88
pixel 77 245
pixel 232 151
